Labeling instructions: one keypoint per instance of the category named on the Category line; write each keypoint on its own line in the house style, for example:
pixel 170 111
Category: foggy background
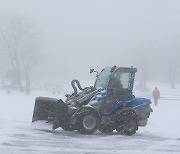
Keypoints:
pixel 76 35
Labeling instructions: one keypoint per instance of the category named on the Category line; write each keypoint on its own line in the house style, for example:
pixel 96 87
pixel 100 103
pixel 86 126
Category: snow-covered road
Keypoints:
pixel 19 136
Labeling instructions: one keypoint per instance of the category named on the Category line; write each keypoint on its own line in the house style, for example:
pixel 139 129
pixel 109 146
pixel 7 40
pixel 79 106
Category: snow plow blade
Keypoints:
pixel 46 108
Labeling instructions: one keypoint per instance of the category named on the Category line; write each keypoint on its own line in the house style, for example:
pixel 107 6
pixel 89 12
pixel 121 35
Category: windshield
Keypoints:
pixel 103 78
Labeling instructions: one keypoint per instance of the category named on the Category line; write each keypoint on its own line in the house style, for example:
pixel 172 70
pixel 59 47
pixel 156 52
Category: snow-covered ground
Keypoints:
pixel 19 136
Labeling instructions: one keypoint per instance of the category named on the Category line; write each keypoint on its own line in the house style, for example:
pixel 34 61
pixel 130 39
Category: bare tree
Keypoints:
pixel 30 58
pixel 143 61
pixel 172 67
pixel 19 38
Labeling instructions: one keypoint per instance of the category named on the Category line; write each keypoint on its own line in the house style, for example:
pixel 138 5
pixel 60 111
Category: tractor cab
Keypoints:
pixel 117 82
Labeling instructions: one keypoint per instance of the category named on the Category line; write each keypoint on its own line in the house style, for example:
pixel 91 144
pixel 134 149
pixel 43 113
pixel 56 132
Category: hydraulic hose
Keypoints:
pixel 74 87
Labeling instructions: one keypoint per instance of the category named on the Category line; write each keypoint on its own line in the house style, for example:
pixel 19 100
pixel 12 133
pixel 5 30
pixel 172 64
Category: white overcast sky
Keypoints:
pixel 80 34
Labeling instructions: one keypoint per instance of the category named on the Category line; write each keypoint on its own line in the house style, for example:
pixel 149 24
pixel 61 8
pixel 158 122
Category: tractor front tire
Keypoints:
pixel 88 123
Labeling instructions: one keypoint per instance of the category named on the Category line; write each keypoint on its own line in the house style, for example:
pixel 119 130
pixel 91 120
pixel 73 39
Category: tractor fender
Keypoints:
pixel 141 113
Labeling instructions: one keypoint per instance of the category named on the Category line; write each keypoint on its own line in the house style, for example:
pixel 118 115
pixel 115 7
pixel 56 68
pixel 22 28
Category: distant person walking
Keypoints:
pixel 156 96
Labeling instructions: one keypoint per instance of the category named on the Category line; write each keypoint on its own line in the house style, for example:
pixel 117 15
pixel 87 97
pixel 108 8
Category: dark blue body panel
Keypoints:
pixel 131 102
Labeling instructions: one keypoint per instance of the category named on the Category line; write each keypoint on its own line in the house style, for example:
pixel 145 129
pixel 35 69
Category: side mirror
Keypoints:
pixel 91 70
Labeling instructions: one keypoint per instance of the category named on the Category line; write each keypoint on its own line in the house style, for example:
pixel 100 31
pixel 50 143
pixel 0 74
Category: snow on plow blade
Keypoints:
pixel 49 107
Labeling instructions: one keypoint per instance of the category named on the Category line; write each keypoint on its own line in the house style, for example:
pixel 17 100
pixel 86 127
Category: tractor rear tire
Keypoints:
pixel 127 123
pixel 88 122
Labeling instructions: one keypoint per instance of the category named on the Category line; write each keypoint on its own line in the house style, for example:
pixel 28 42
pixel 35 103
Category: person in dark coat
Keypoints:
pixel 114 89
pixel 156 95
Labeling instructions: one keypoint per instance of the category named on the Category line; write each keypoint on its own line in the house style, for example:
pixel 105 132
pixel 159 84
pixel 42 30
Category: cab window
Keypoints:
pixel 124 78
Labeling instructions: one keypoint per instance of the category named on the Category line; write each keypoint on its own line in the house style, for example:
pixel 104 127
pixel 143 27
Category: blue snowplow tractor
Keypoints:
pixel 107 106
